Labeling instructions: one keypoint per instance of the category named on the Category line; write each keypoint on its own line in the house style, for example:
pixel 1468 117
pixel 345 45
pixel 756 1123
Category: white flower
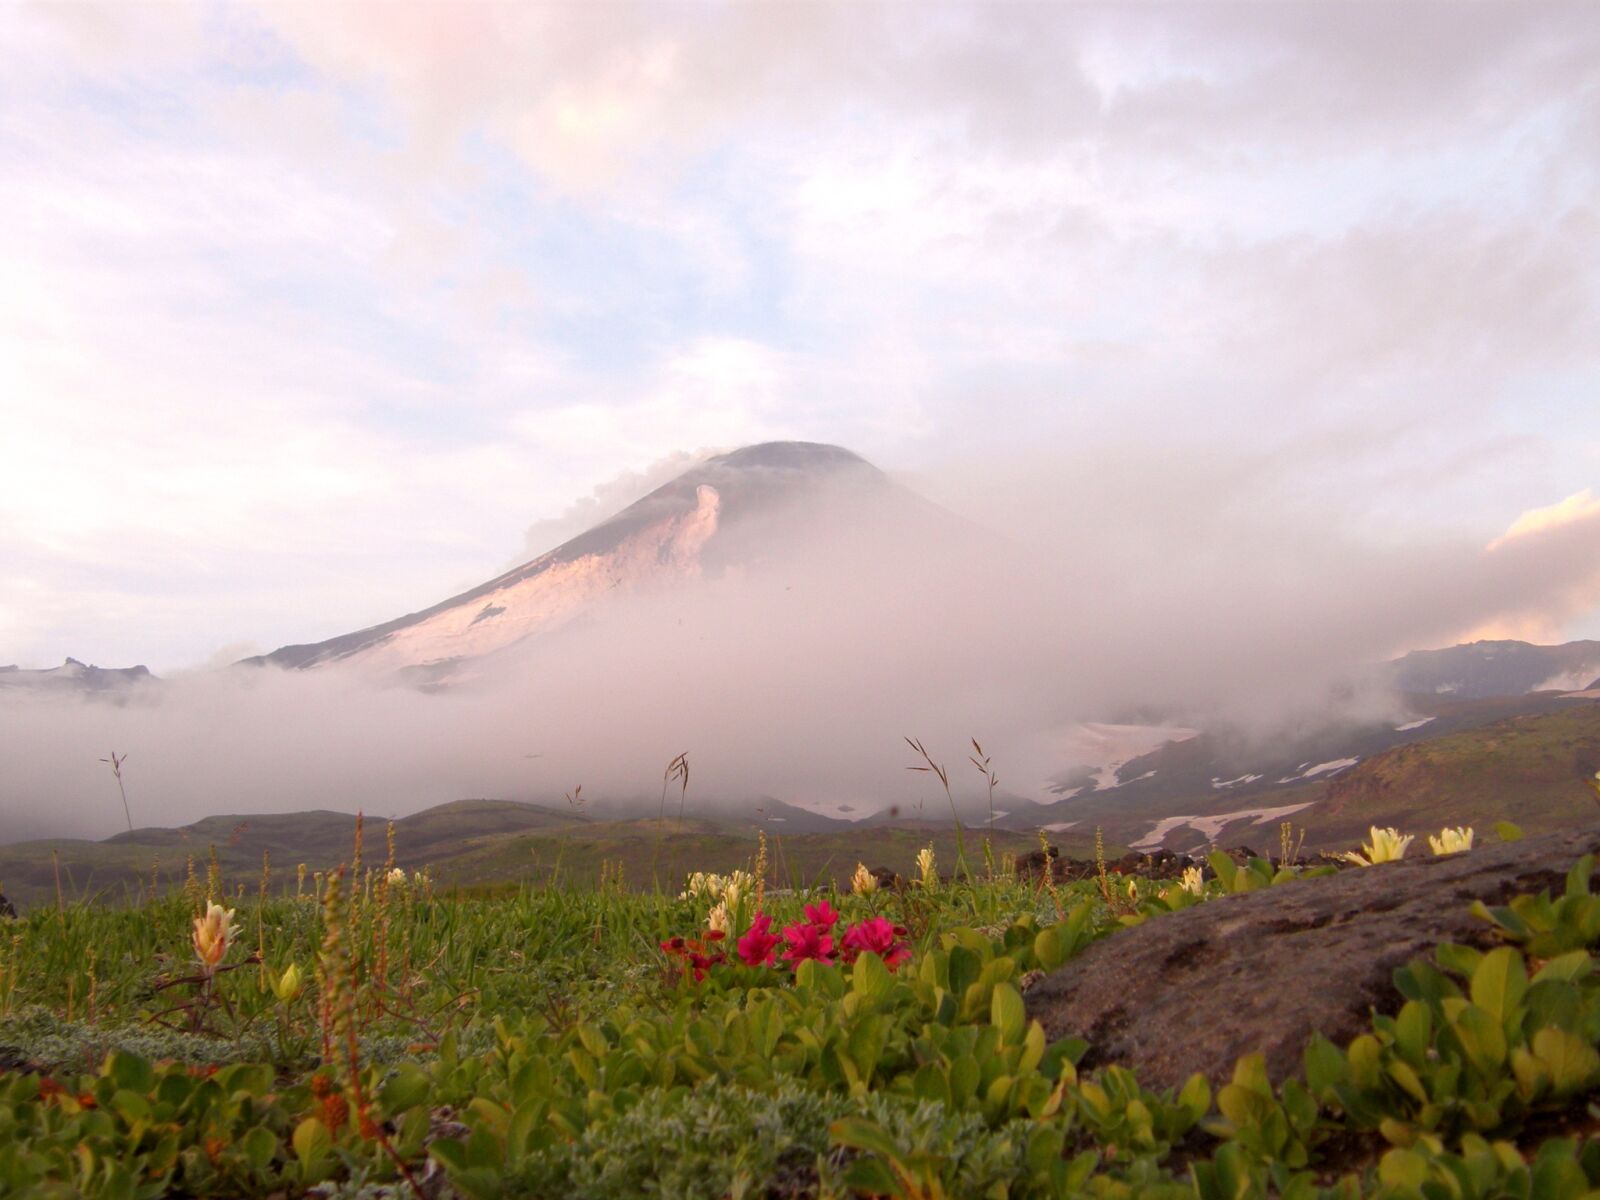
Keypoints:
pixel 213 934
pixel 1193 881
pixel 863 882
pixel 396 877
pixel 925 865
pixel 1451 841
pixel 1385 845
pixel 720 920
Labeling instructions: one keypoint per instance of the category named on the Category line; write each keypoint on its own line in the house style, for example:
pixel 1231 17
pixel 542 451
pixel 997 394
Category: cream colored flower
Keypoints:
pixel 1385 845
pixel 720 919
pixel 1133 889
pixel 396 877
pixel 926 867
pixel 1193 881
pixel 863 882
pixel 213 934
pixel 1451 841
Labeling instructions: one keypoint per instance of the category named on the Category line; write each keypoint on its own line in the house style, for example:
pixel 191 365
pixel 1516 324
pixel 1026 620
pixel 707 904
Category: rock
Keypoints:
pixel 7 909
pixel 1158 864
pixel 1197 989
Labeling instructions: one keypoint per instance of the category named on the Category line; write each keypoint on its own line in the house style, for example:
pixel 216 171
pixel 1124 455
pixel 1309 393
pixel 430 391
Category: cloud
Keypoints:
pixel 1090 586
pixel 1577 508
pixel 604 501
pixel 306 310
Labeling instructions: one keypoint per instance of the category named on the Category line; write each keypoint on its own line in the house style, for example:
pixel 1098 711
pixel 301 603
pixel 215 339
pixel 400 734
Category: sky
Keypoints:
pixel 311 315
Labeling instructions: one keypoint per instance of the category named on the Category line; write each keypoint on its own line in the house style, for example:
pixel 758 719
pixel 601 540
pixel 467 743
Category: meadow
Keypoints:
pixel 363 1032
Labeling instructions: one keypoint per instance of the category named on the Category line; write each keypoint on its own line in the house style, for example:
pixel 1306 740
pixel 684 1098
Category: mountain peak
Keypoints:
pixel 731 509
pixel 794 456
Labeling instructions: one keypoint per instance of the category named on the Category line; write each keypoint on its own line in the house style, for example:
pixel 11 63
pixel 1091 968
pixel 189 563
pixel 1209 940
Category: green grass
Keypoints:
pixel 537 1042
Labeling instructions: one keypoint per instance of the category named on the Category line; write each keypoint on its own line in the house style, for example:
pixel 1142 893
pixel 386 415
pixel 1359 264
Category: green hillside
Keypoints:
pixel 1531 770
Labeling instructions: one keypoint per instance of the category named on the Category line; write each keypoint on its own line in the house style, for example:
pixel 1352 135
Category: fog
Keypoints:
pixel 1061 592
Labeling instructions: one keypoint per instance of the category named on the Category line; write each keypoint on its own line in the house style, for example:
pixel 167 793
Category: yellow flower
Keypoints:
pixel 213 934
pixel 925 865
pixel 863 882
pixel 1133 889
pixel 1451 841
pixel 1193 881
pixel 1386 845
pixel 287 986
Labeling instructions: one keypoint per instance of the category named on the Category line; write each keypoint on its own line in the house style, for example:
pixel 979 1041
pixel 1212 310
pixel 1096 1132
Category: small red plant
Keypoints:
pixel 807 942
pixel 877 935
pixel 698 955
pixel 757 944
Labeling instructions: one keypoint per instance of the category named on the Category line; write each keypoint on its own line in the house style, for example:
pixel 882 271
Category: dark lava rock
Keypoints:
pixel 1158 864
pixel 7 909
pixel 1198 989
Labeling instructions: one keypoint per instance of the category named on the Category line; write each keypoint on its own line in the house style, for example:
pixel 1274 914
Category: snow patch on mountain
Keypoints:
pixel 1108 748
pixel 1331 767
pixel 1210 826
pixel 1219 784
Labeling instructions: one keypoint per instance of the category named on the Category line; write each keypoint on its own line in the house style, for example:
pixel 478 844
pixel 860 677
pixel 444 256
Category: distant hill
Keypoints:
pixel 1528 767
pixel 74 676
pixel 471 843
pixel 1502 668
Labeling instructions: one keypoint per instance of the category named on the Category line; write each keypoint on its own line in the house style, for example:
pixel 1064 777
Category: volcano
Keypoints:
pixel 730 512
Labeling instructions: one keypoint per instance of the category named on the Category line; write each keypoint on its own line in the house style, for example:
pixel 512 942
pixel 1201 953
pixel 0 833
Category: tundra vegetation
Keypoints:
pixel 361 1033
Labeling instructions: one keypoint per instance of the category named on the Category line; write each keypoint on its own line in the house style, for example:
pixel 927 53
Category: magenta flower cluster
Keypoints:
pixel 813 939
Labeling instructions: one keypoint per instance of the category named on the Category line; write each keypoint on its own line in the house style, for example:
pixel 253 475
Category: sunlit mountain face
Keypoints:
pixel 750 507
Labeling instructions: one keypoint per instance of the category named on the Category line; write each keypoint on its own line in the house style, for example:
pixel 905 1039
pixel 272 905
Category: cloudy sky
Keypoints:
pixel 311 315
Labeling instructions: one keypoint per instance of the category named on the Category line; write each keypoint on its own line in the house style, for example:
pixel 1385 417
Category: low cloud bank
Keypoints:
pixel 1109 591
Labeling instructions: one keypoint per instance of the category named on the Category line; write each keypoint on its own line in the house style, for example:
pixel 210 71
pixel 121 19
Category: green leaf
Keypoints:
pixel 130 1072
pixel 1482 1037
pixel 1499 983
pixel 869 978
pixel 259 1147
pixel 1413 1031
pixel 408 1088
pixel 313 1146
pixel 1007 1014
pixel 1572 1062
pixel 858 1133
pixel 1324 1065
pixel 1507 832
pixel 1568 968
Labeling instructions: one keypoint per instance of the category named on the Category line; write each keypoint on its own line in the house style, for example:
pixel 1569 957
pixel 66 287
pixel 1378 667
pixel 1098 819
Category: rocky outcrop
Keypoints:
pixel 8 910
pixel 1196 990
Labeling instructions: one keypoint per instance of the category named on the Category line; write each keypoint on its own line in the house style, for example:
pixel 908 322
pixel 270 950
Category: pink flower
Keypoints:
pixel 879 936
pixel 807 941
pixel 821 915
pixel 755 947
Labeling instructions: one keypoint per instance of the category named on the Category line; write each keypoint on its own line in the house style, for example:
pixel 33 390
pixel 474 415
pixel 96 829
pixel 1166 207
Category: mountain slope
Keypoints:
pixel 75 677
pixel 729 510
pixel 1502 668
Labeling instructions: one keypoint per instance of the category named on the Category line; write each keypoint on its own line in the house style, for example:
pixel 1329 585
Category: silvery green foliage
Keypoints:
pixel 38 1037
pixel 716 1140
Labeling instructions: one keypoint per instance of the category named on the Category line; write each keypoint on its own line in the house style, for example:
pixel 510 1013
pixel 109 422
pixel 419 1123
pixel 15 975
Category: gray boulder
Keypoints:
pixel 1196 990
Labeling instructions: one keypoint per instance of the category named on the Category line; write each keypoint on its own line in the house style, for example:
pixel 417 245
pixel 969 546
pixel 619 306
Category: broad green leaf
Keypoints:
pixel 1499 982
pixel 1007 1014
